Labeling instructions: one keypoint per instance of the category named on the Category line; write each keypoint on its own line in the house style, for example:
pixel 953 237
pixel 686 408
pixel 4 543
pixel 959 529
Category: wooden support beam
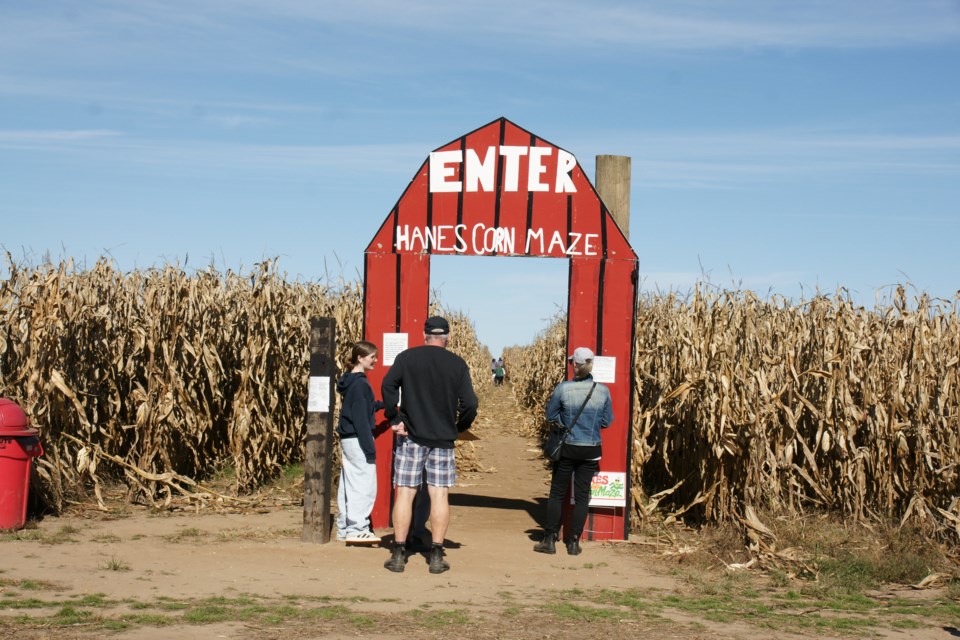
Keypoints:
pixel 318 454
pixel 613 185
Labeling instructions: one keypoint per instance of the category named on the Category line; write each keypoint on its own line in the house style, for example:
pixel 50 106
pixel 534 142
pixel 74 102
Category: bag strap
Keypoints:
pixel 582 407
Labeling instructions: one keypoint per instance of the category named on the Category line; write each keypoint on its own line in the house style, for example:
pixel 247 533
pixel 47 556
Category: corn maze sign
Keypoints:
pixel 503 191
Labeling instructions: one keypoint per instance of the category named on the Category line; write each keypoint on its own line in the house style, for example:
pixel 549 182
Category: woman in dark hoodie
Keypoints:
pixel 358 462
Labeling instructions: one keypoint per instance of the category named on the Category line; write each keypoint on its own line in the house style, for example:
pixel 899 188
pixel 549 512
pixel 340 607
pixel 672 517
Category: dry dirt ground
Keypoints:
pixel 248 575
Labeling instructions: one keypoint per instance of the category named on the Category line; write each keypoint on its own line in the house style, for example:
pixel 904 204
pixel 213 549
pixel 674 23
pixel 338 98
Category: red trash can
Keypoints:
pixel 19 444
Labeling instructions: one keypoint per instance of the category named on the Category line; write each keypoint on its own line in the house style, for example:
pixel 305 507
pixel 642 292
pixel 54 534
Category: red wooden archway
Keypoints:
pixel 501 190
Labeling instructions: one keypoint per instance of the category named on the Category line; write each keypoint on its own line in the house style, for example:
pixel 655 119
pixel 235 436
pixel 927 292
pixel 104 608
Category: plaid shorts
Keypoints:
pixel 410 460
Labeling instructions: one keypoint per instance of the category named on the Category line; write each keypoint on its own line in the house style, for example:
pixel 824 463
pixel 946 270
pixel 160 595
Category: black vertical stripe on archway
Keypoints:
pixel 529 222
pixel 605 217
pixel 397 259
pixel 395 215
pixel 429 221
pixel 396 276
pixel 463 179
pixel 566 347
pixel 600 297
pixel 366 272
pixel 530 196
pixel 499 177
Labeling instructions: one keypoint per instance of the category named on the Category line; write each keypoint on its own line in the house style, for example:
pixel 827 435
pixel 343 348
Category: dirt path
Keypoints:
pixel 142 559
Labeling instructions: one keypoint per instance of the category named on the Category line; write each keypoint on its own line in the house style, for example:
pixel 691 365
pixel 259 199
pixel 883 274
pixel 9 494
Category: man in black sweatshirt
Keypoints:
pixel 438 404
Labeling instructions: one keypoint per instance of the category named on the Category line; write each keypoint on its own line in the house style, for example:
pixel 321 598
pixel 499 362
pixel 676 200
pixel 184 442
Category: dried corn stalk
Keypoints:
pixel 163 376
pixel 743 403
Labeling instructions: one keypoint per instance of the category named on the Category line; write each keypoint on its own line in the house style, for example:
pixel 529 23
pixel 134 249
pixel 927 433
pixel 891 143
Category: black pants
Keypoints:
pixel 582 472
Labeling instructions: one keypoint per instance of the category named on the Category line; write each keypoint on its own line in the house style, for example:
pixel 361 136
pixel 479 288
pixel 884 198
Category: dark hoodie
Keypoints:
pixel 357 412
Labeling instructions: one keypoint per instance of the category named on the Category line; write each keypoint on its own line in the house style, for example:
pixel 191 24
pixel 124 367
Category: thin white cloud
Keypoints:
pixel 158 158
pixel 680 24
pixel 53 135
pixel 52 140
pixel 731 159
pixel 215 32
pixel 237 121
pixel 728 160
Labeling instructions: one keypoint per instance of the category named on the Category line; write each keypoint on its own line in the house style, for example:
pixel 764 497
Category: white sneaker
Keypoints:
pixel 363 537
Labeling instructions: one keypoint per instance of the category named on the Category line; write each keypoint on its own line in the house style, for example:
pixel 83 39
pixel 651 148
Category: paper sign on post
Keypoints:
pixel 318 395
pixel 604 369
pixel 393 344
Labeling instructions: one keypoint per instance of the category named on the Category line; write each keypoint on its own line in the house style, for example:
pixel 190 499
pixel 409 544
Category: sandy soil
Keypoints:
pixel 496 579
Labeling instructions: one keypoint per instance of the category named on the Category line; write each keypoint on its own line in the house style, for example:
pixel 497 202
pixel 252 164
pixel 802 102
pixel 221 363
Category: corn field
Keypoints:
pixel 745 405
pixel 159 378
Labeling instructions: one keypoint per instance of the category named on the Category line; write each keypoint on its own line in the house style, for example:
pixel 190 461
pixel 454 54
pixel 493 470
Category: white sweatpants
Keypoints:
pixel 357 491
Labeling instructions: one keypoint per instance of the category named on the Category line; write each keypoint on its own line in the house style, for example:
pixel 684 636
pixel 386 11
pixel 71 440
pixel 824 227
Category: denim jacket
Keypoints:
pixel 565 402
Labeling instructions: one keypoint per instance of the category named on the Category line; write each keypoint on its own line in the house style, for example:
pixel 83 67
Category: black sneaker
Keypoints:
pixel 398 559
pixel 548 544
pixel 437 563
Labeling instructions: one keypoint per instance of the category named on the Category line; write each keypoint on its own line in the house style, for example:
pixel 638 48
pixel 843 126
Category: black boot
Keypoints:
pixel 548 544
pixel 437 563
pixel 398 558
pixel 573 546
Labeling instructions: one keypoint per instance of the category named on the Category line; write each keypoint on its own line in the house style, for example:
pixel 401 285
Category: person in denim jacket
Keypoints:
pixel 580 455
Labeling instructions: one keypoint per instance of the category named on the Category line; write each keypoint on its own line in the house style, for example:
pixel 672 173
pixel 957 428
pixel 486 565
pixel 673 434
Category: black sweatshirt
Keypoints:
pixel 357 412
pixel 438 397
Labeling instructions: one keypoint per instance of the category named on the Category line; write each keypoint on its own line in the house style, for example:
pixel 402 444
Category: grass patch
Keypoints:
pixel 292 473
pixel 232 535
pixel 188 534
pixel 441 619
pixel 63 535
pixel 207 613
pixel 148 619
pixel 583 612
pixel 30 585
pixel 168 604
pixel 93 611
pixel 91 600
pixel 22 534
pixel 115 564
pixel 69 616
pixel 107 538
pixel 24 603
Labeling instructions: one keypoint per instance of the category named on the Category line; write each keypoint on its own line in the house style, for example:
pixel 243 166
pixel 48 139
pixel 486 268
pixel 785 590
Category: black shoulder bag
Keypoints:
pixel 558 432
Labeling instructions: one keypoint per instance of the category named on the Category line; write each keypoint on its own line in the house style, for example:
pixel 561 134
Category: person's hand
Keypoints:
pixel 400 429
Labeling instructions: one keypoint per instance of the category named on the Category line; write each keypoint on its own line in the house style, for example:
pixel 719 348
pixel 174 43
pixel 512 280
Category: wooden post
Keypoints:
pixel 613 185
pixel 317 463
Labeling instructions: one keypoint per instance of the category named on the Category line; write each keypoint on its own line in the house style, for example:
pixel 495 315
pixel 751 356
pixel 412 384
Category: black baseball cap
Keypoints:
pixel 436 326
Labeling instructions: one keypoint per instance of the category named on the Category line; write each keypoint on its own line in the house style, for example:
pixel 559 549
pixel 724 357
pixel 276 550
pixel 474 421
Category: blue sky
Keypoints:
pixel 785 147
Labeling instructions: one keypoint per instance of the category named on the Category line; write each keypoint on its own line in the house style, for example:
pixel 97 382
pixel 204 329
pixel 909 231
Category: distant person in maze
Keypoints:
pixel 358 466
pixel 499 373
pixel 438 404
pixel 580 454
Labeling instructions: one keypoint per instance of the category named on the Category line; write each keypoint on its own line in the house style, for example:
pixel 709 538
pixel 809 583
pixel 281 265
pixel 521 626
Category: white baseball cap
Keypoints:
pixel 581 355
